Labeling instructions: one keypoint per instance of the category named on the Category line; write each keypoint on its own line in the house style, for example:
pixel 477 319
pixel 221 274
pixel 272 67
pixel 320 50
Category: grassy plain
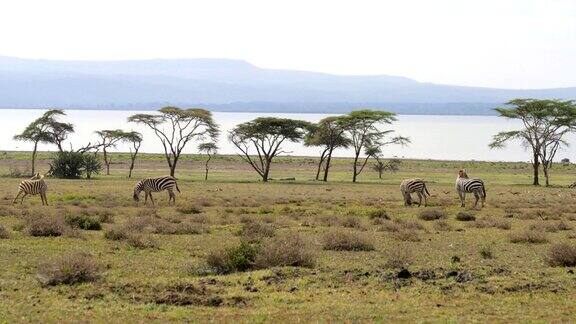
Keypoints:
pixel 459 270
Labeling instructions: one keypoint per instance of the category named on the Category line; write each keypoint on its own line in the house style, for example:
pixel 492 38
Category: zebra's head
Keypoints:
pixel 462 174
pixel 137 190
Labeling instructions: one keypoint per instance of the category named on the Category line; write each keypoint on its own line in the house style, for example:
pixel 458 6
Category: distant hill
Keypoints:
pixel 232 85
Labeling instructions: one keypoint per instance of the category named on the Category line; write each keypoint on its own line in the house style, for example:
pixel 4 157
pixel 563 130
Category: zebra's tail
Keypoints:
pixel 176 184
pixel 484 191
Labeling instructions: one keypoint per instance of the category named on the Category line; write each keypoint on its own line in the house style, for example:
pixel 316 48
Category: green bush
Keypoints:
pixel 72 165
pixel 378 213
pixel 239 258
pixel 83 222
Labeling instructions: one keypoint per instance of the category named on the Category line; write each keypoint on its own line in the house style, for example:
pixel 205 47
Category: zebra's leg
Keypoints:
pixel 145 198
pixel 22 198
pixel 477 196
pixel 419 198
pixel 16 198
pixel 425 200
pixel 152 199
pixel 483 197
pixel 44 198
pixel 462 198
pixel 171 196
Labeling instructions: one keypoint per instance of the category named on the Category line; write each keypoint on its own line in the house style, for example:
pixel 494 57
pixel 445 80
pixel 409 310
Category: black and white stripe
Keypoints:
pixel 417 186
pixel 466 185
pixel 33 186
pixel 151 185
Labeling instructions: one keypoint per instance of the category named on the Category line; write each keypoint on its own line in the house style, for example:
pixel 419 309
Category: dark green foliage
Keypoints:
pixel 83 222
pixel 239 258
pixel 465 217
pixel 378 213
pixel 72 165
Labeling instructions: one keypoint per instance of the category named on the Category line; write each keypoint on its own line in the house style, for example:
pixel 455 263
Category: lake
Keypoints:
pixel 433 137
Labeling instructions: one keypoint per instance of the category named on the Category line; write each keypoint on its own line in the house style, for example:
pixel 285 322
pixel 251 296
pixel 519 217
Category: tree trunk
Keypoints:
pixel 536 166
pixel 133 158
pixel 355 167
pixel 106 162
pixel 322 157
pixel 34 158
pixel 546 175
pixel 206 174
pixel 173 166
pixel 327 165
pixel 266 172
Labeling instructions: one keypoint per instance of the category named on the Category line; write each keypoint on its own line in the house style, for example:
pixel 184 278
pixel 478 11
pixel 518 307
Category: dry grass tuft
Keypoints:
pixel 351 222
pixel 442 225
pixel 562 255
pixel 341 240
pixel 407 235
pixel 288 249
pixel 256 231
pixel 399 257
pixel 528 237
pixel 465 217
pixel 68 269
pixel 432 214
pixel 4 234
pixel 487 222
pixel 550 226
pixel 45 226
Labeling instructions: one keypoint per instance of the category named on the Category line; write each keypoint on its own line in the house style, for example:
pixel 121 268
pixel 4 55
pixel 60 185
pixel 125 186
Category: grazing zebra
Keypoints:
pixel 465 185
pixel 33 186
pixel 418 186
pixel 151 185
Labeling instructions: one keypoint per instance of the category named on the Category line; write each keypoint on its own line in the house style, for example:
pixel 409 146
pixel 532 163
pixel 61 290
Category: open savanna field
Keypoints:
pixel 349 241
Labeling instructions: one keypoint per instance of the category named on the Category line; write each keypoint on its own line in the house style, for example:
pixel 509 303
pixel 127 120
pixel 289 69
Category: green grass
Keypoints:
pixel 452 281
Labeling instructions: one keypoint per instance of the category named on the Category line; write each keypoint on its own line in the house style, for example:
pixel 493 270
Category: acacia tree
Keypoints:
pixel 328 134
pixel 266 135
pixel 209 149
pixel 57 130
pixel 37 132
pixel 545 122
pixel 135 139
pixel 175 127
pixel 362 127
pixel 109 139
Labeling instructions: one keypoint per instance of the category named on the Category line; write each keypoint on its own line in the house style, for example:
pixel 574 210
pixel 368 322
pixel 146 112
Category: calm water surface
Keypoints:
pixel 433 137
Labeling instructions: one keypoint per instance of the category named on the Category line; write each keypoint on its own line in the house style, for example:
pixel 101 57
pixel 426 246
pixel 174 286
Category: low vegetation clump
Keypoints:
pixel 432 214
pixel 45 226
pixel 141 241
pixel 442 225
pixel 378 214
pixel 562 255
pixel 465 217
pixel 256 231
pixel 340 240
pixel 351 222
pixel 116 234
pixel 551 226
pixel 486 252
pixel 407 235
pixel 487 222
pixel 234 259
pixel 189 209
pixel 399 257
pixel 4 234
pixel 288 249
pixel 528 236
pixel 83 222
pixel 69 269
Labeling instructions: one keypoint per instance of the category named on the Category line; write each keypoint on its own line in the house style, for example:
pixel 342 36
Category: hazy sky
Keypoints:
pixel 496 43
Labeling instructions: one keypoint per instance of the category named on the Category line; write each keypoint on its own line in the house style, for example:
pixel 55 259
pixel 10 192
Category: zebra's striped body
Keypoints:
pixel 151 185
pixel 33 186
pixel 466 185
pixel 410 186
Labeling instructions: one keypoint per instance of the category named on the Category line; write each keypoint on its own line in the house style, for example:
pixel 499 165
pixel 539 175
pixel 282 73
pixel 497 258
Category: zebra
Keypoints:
pixel 150 185
pixel 418 186
pixel 33 186
pixel 465 185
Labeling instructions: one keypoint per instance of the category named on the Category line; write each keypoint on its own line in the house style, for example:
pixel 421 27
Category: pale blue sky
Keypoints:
pixel 495 43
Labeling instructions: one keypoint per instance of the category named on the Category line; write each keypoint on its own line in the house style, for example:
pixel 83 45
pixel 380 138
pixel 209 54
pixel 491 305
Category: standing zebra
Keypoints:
pixel 418 186
pixel 475 186
pixel 33 186
pixel 151 185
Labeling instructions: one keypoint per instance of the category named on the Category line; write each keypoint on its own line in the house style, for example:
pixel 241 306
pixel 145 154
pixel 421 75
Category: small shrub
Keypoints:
pixel 486 252
pixel 550 226
pixel 410 224
pixel 116 234
pixel 340 240
pixel 239 258
pixel 407 235
pixel 562 255
pixel 442 225
pixel 388 226
pixel 487 222
pixel 351 222
pixel 256 231
pixel 83 222
pixel 465 217
pixel 68 269
pixel 264 210
pixel 4 234
pixel 45 226
pixel 378 214
pixel 141 241
pixel 284 250
pixel 190 209
pixel 399 257
pixel 528 237
pixel 432 214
